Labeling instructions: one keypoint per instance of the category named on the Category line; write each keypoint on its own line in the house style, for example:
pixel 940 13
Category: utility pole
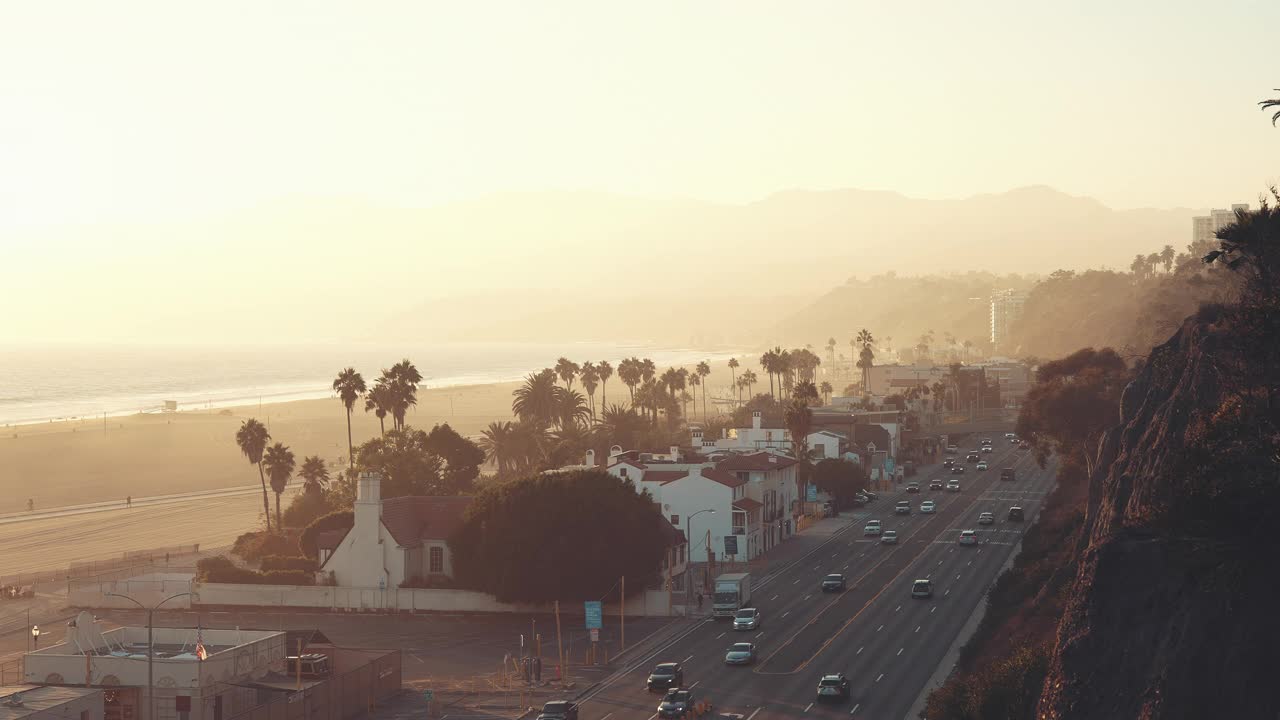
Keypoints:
pixel 559 642
pixel 622 611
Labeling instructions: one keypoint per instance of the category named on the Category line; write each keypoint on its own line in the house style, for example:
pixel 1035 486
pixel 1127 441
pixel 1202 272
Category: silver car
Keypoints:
pixel 740 654
pixel 746 619
pixel 889 537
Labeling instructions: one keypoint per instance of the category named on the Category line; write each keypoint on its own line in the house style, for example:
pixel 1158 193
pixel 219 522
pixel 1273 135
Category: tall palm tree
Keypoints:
pixel 866 357
pixel 499 443
pixel 703 370
pixel 799 420
pixel 826 389
pixel 750 377
pixel 350 386
pixel 605 371
pixel 785 365
pixel 806 392
pixel 252 438
pixel 694 381
pixel 567 370
pixel 647 369
pixel 536 400
pixel 740 384
pixel 629 372
pixel 315 476
pixel 769 363
pixel 1166 257
pixel 403 379
pixel 570 408
pixel 1268 104
pixel 380 401
pixel 733 371
pixel 831 351
pixel 278 461
pixel 968 348
pixel 590 376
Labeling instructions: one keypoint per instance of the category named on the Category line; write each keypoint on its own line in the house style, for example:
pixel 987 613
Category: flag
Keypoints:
pixel 201 653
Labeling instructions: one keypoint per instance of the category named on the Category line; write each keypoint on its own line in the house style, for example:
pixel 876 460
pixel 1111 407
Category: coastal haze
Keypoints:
pixel 423 325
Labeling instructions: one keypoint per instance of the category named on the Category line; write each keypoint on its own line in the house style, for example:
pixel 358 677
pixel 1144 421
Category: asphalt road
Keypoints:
pixel 888 644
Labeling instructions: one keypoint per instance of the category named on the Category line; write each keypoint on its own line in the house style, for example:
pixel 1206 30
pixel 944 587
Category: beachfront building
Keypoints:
pixel 197 674
pixel 46 702
pixel 404 539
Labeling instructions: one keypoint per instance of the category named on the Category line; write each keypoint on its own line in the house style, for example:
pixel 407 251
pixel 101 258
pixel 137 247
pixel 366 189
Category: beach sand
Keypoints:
pixel 75 462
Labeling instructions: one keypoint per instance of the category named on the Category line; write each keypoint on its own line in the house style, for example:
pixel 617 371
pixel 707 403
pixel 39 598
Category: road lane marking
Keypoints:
pixel 879 628
pixel 854 710
pixel 786 613
pixel 815 567
pixel 880 678
pixel 899 652
pixel 957 577
pixel 717 637
pixel 806 708
pixel 897 608
pixel 926 577
pixel 918 628
pixel 775 597
pixel 606 717
pixel 939 562
pixel 695 684
pixel 948 592
pixel 968 563
pixel 752 715
pixel 860 650
pixel 806 597
pixel 834 554
pixel 759 634
pixel 651 717
pixel 688 658
pixel 797 580
pixel 933 609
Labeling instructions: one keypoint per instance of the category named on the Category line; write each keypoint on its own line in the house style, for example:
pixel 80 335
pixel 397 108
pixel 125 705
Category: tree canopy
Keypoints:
pixel 462 458
pixel 1075 399
pixel 407 464
pixel 560 536
pixel 840 479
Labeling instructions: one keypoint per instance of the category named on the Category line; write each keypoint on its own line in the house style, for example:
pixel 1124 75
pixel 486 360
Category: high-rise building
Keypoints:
pixel 1205 227
pixel 1006 308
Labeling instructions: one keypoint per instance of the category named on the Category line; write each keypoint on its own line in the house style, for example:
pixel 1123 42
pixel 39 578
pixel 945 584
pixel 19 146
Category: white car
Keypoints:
pixel 747 619
pixel 953 486
pixel 952 449
pixel 1010 436
pixel 987 518
pixel 927 506
pixel 987 449
pixel 872 528
pixel 890 537
pixel 982 466
pixel 968 537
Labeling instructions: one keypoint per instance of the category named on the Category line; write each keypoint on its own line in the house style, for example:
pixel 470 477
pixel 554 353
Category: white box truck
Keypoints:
pixel 732 593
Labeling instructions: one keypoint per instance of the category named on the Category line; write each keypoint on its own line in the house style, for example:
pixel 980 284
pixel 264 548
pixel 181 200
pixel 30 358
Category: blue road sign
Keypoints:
pixel 811 492
pixel 595 614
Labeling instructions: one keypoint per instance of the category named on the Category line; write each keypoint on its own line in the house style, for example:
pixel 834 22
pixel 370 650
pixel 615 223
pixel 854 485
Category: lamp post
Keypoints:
pixel 688 556
pixel 151 697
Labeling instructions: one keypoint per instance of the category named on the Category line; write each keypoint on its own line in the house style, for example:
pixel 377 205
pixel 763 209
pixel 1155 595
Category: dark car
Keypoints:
pixel 676 703
pixel 948 462
pixel 833 583
pixel 833 687
pixel 913 487
pixel 665 676
pixel 559 710
pixel 957 470
pixel 1007 474
pixel 1015 514
pixel 972 457
pixel 935 485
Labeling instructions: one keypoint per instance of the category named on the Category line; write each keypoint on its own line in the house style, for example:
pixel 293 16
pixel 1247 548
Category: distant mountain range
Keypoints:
pixel 560 265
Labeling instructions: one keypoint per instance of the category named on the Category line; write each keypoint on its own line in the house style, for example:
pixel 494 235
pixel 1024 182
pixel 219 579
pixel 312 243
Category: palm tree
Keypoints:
pixel 1166 258
pixel 826 389
pixel 252 438
pixel 499 443
pixel 605 371
pixel 629 372
pixel 590 375
pixel 694 381
pixel 536 401
pixel 799 420
pixel 733 371
pixel 278 461
pixel 831 351
pixel 1268 104
pixel 769 362
pixel 703 370
pixel 570 408
pixel 647 369
pixel 315 476
pixel 740 384
pixel 380 400
pixel 806 392
pixel 567 370
pixel 681 384
pixel 968 347
pixel 403 379
pixel 750 377
pixel 620 426
pixel 350 386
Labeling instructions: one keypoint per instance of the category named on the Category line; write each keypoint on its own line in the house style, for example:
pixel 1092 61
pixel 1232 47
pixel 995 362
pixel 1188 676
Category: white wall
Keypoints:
pixel 690 494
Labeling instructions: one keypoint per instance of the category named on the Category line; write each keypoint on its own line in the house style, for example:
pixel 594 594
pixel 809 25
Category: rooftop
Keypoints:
pixel 412 519
pixel 755 461
pixel 37 698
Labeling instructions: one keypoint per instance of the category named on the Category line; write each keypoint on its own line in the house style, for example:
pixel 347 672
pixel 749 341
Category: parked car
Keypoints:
pixel 987 518
pixel 902 508
pixel 889 537
pixel 740 654
pixel 872 528
pixel 676 703
pixel 665 676
pixel 833 583
pixel 927 506
pixel 968 537
pixel 1015 514
pixel 559 710
pixel 922 589
pixel 747 619
pixel 913 487
pixel 833 687
pixel 952 448
pixel 935 485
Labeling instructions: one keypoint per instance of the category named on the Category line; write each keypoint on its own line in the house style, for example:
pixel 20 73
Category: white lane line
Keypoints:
pixel 775 597
pixel 880 678
pixel 939 562
pixel 899 652
pixel 968 563
pixel 815 567
pixel 806 597
pixel 759 634
pixel 688 658
pixel 918 628
pixel 806 708
pixel 752 715
pixel 860 650
pixel 786 613
pixel 606 717
pixel 651 717
pixel 933 609
pixel 834 554
pixel 897 608
pixel 695 684
pixel 854 710
pixel 948 592
pixel 926 577
pixel 879 628
pixel 797 580
pixel 717 637
pixel 957 577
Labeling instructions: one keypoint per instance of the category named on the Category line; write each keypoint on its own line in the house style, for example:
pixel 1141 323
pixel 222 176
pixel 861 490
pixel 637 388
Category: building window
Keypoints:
pixel 437 560
pixel 675 520
pixel 623 471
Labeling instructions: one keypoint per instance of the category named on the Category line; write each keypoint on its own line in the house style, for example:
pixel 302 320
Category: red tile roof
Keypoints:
pixel 410 520
pixel 664 476
pixel 748 504
pixel 331 539
pixel 755 461
pixel 722 477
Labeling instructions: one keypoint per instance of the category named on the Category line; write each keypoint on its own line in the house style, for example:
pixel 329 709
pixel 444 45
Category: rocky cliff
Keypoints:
pixel 1173 612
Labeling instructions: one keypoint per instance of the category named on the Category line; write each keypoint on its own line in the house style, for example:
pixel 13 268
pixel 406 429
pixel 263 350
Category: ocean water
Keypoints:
pixel 39 383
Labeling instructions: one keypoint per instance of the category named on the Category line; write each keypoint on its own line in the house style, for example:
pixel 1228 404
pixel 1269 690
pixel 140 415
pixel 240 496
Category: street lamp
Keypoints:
pixel 151 695
pixel 688 556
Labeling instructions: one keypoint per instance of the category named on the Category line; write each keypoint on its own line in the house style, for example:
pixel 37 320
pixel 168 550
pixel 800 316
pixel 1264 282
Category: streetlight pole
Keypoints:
pixel 688 555
pixel 151 648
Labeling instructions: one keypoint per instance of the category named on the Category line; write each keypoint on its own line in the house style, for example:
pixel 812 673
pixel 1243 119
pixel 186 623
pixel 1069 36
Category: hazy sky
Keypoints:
pixel 145 110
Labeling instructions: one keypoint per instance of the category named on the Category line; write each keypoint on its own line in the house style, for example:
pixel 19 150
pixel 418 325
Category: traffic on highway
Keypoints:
pixel 860 624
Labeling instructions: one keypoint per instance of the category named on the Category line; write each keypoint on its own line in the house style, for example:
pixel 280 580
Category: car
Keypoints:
pixel 948 463
pixel 872 528
pixel 922 589
pixel 957 470
pixel 982 466
pixel 927 506
pixel 952 448
pixel 986 442
pixel 833 583
pixel 1011 436
pixel 1007 474
pixel 870 495
pixel 913 487
pixel 988 449
pixel 968 537
pixel 935 485
pixel 953 486
pixel 972 457
pixel 676 703
pixel 860 500
pixel 746 619
pixel 903 507
pixel 665 676
pixel 889 537
pixel 559 710
pixel 987 518
pixel 1015 514
pixel 740 654
pixel 833 687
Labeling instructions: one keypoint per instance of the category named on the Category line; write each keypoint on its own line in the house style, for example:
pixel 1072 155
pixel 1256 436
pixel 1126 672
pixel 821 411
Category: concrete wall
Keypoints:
pixel 146 589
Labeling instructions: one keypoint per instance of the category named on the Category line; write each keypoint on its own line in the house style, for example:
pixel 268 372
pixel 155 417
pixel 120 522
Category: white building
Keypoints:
pixel 1204 227
pixel 1006 309
pixel 392 541
pixel 209 689
pixel 43 702
pixel 886 380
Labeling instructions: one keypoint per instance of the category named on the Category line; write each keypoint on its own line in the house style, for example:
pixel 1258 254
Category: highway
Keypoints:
pixel 888 644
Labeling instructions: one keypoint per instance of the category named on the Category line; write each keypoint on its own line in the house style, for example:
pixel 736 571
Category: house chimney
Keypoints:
pixel 695 471
pixel 675 453
pixel 591 458
pixel 755 420
pixel 614 452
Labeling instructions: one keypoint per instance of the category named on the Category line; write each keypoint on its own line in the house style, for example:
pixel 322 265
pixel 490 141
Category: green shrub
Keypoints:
pixel 281 562
pixel 305 508
pixel 253 546
pixel 221 569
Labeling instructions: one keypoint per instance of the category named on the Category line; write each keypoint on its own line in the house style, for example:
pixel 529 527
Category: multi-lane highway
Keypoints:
pixel 887 643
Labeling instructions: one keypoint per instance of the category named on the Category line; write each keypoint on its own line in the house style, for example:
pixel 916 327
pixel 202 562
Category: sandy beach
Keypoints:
pixel 84 461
